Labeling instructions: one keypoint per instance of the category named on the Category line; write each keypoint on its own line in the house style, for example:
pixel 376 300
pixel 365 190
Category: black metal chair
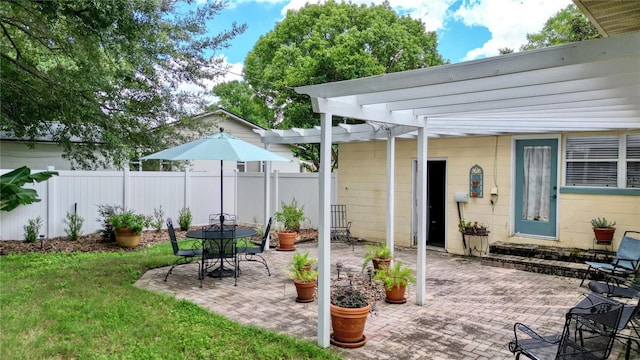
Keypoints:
pixel 340 226
pixel 219 248
pixel 617 287
pixel 624 263
pixel 253 253
pixel 222 219
pixel 185 256
pixel 589 332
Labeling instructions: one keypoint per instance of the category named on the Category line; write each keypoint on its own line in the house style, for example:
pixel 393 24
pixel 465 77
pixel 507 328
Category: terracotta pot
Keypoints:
pixel 474 183
pixel 125 237
pixel 395 295
pixel 379 264
pixel 286 239
pixel 348 324
pixel 604 236
pixel 474 194
pixel 306 290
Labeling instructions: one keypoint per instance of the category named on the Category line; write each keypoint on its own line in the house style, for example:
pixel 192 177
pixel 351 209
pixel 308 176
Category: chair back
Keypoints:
pixel 172 236
pixel 265 237
pixel 590 331
pixel 628 254
pixel 339 217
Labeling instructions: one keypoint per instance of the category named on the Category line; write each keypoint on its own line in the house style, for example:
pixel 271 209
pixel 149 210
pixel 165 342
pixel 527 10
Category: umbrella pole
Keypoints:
pixel 221 191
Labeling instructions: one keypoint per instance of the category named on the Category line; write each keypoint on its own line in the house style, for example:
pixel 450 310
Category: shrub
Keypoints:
pixel 185 218
pixel 74 225
pixel 32 229
pixel 130 220
pixel 158 218
pixel 290 216
pixel 105 212
pixel 379 251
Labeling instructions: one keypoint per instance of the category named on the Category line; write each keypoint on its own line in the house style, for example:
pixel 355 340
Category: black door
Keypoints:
pixel 436 196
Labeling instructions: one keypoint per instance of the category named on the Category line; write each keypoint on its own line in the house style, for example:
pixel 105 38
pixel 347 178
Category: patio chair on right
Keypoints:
pixel 340 226
pixel 624 263
pixel 589 332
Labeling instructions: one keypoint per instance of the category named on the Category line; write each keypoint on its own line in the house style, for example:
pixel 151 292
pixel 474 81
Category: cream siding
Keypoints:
pixel 362 185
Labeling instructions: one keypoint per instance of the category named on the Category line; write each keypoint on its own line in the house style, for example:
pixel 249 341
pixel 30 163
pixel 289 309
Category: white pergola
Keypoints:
pixel 587 86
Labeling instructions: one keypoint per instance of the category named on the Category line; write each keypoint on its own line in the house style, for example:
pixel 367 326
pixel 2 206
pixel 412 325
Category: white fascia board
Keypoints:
pixel 377 113
pixel 545 58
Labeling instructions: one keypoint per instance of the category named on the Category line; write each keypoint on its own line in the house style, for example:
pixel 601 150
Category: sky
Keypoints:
pixel 466 29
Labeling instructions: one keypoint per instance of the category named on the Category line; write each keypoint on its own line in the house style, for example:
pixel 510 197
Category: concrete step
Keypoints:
pixel 543 259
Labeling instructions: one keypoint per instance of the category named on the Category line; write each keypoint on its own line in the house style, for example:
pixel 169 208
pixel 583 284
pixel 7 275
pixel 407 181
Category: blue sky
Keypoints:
pixel 467 29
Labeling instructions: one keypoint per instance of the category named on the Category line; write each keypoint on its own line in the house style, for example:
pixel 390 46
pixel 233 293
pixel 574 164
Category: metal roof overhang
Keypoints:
pixel 586 86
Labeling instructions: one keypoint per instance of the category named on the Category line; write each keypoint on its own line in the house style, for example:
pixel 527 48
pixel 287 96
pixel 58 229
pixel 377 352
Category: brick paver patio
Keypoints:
pixel 469 313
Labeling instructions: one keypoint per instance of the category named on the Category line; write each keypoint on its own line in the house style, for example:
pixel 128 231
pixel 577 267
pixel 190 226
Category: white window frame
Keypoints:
pixel 621 162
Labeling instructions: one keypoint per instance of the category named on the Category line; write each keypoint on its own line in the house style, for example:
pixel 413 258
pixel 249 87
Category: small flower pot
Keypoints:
pixel 604 236
pixel 306 291
pixel 286 240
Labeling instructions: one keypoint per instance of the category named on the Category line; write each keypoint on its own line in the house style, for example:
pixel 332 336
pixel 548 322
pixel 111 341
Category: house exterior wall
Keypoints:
pixel 15 154
pixel 362 187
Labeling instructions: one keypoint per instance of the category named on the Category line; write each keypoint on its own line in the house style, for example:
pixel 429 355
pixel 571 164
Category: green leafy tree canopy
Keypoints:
pixel 103 73
pixel 568 25
pixel 332 42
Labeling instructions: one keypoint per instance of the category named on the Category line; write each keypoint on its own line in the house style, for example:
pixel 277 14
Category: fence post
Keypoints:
pixel 276 193
pixel 126 188
pixel 187 188
pixel 51 205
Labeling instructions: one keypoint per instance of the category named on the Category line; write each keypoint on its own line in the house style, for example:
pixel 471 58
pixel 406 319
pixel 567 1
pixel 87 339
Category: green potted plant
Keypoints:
pixel 472 228
pixel 349 309
pixel 395 280
pixel 380 255
pixel 290 218
pixel 304 278
pixel 128 227
pixel 603 230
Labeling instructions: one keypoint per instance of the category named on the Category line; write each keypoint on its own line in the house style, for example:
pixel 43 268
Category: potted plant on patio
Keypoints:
pixel 349 309
pixel 380 255
pixel 128 227
pixel 603 230
pixel 290 218
pixel 304 278
pixel 395 280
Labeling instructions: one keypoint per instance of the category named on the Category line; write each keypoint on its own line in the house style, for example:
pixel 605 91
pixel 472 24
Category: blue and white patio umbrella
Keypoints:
pixel 220 146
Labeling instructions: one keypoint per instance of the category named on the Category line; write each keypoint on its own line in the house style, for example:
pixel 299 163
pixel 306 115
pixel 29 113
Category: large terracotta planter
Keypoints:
pixel 604 236
pixel 395 295
pixel 306 291
pixel 125 237
pixel 379 264
pixel 348 325
pixel 286 239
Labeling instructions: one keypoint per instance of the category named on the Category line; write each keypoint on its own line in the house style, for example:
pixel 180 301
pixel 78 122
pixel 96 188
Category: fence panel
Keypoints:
pixel 84 191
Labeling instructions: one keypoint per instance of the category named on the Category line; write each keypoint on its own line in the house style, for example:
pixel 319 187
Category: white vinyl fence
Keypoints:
pixel 145 191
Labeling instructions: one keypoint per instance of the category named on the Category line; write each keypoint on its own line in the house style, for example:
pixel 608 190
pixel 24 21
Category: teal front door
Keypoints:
pixel 536 187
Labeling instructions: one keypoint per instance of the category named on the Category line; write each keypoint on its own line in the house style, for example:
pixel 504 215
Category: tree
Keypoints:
pixel 568 25
pixel 103 73
pixel 332 42
pixel 239 98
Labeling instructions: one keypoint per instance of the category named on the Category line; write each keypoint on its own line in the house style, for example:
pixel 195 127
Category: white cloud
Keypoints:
pixel 508 21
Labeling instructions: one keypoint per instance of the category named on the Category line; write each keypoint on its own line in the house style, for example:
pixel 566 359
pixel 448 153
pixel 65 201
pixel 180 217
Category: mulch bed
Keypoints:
pixel 94 242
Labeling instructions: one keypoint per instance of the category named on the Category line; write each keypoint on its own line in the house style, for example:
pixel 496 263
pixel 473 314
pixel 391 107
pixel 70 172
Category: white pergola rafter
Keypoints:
pixel 587 86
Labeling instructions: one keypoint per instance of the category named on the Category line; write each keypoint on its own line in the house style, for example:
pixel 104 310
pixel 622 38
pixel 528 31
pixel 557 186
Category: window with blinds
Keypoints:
pixel 603 161
pixel 633 161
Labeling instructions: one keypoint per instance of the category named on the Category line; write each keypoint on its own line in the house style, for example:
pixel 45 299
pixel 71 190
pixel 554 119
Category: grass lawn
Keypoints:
pixel 84 306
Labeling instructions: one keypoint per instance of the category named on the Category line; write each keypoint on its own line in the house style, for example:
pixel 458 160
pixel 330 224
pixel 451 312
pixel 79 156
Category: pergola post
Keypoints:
pixel 391 162
pixel 267 192
pixel 324 235
pixel 421 261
